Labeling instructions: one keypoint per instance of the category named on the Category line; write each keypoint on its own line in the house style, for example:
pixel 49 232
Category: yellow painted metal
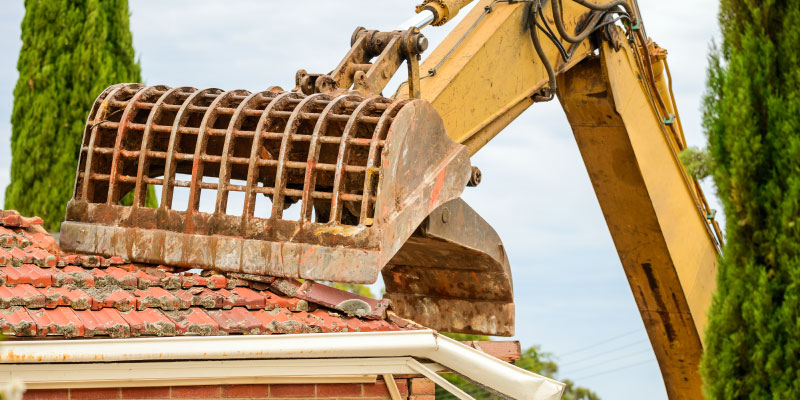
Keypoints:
pixel 620 106
pixel 486 71
pixel 443 10
pixel 666 248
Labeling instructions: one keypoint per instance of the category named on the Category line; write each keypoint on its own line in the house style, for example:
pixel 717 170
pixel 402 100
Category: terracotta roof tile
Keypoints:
pixel 72 297
pixel 60 321
pixel 150 322
pixel 16 321
pixel 44 292
pixel 104 322
pixel 21 295
pixel 194 321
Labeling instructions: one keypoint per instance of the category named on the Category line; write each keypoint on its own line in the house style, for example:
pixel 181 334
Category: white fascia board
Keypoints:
pixel 473 364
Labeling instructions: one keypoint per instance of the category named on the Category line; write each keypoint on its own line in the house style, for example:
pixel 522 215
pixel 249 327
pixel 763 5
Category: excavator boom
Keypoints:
pixel 614 92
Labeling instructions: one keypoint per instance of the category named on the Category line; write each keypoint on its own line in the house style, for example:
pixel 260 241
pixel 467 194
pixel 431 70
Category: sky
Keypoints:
pixel 571 295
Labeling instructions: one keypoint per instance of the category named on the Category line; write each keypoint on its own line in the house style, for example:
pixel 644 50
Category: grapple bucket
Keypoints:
pixel 363 175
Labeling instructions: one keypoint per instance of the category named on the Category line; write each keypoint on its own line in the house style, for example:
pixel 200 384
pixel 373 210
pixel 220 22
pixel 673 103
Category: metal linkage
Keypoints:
pixel 326 151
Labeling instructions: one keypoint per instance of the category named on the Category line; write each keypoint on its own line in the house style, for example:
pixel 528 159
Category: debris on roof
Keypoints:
pixel 47 293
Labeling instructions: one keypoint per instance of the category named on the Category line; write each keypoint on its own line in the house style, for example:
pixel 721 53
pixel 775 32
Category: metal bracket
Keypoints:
pixel 369 78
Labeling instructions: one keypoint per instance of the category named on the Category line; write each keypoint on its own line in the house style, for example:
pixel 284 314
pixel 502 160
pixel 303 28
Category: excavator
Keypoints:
pixel 375 178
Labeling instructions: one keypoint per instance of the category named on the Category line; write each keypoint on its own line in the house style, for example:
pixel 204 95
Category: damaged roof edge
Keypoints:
pixel 474 364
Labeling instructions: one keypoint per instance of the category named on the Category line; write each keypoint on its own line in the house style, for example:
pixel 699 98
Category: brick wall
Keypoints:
pixel 410 389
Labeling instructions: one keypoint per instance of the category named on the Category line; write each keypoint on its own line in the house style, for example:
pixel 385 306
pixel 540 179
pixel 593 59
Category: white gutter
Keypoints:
pixel 473 364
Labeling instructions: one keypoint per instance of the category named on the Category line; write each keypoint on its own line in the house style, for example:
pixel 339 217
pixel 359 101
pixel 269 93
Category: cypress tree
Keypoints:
pixel 752 120
pixel 71 51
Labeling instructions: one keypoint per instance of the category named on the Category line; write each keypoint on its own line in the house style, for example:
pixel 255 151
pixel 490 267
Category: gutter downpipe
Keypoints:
pixel 473 364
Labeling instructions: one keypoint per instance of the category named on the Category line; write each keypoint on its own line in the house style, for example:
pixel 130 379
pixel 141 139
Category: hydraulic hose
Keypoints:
pixel 605 7
pixel 551 74
pixel 563 31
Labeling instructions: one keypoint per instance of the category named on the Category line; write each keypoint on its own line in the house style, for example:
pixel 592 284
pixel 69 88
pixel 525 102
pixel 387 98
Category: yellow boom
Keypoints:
pixel 616 97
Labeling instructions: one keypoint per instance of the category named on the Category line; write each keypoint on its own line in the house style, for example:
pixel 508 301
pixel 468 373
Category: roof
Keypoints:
pixel 48 293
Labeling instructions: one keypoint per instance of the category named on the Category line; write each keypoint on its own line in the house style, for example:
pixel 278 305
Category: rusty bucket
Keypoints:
pixel 361 174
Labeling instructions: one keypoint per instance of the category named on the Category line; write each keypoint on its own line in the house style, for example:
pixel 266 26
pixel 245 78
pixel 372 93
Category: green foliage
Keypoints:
pixel 752 120
pixel 71 51
pixel 697 162
pixel 532 360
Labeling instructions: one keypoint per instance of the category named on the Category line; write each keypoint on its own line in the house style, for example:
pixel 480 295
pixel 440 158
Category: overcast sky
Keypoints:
pixel 570 289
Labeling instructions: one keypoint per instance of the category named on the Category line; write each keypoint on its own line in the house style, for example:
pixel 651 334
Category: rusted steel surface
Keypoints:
pixel 366 172
pixel 453 274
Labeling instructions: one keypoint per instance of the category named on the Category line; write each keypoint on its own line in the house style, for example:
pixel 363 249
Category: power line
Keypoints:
pixel 606 362
pixel 623 347
pixel 615 369
pixel 593 345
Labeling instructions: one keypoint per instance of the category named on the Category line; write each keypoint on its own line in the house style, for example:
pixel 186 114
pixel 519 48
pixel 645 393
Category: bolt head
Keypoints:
pixel 422 43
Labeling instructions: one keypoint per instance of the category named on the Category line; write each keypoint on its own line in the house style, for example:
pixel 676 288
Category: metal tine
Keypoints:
pixel 198 165
pixel 122 132
pixel 224 167
pixel 174 139
pixel 286 146
pixel 87 192
pixel 252 170
pixel 310 180
pixel 378 135
pixel 342 157
pixel 77 188
pixel 139 194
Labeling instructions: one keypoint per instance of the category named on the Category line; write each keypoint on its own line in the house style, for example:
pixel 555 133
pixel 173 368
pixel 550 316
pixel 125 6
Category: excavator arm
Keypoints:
pixel 613 89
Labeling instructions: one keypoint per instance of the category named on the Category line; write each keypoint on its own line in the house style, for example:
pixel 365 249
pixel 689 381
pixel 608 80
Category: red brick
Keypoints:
pixel 292 390
pixel 338 389
pixel 402 386
pixel 146 393
pixel 47 394
pixel 422 386
pixel 249 391
pixel 365 398
pixel 94 394
pixel 423 397
pixel 195 392
pixel 376 389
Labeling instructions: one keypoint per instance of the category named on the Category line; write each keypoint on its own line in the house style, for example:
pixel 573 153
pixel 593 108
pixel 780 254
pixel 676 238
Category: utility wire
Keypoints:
pixel 593 345
pixel 606 362
pixel 615 369
pixel 593 356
